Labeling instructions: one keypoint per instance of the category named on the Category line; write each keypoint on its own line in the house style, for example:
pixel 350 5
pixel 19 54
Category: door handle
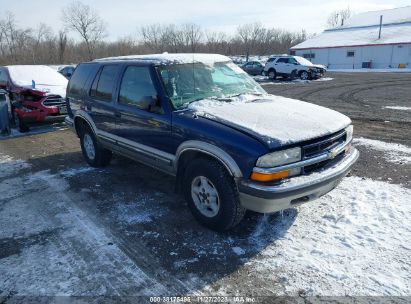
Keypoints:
pixel 117 114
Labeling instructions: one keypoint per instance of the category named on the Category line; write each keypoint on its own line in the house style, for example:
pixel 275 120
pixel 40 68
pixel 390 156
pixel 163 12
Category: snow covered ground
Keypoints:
pixel 398 108
pixel 264 80
pixel 393 152
pixel 353 241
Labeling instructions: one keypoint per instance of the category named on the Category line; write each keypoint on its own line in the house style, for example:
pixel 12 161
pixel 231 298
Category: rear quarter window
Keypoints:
pixel 79 78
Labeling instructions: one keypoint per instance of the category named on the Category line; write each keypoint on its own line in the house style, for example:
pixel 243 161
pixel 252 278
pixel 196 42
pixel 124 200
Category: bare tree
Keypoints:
pixel 85 21
pixel 337 18
pixel 192 35
pixel 249 35
pixel 62 44
pixel 42 34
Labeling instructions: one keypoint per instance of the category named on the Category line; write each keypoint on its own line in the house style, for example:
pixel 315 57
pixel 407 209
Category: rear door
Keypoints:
pixel 100 100
pixel 142 129
pixel 282 66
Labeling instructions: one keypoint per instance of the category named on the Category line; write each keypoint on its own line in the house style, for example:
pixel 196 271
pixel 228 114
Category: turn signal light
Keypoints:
pixel 269 177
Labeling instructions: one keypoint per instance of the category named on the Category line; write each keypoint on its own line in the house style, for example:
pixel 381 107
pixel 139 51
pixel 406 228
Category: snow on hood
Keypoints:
pixel 45 78
pixel 275 119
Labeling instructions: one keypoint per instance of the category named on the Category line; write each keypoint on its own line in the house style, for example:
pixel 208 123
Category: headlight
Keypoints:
pixel 349 132
pixel 279 158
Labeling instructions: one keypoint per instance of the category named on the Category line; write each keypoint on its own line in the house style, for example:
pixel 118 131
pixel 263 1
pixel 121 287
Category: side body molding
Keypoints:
pixel 212 150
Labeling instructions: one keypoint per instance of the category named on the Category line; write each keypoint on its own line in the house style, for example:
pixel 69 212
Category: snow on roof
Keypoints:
pixel 362 29
pixel 24 75
pixel 390 34
pixel 390 16
pixel 167 58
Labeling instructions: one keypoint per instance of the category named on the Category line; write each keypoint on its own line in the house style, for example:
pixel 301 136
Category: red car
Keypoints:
pixel 37 94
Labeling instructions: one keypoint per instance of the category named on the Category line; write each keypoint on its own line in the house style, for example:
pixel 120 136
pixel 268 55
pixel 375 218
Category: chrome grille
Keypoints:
pixel 321 146
pixel 54 101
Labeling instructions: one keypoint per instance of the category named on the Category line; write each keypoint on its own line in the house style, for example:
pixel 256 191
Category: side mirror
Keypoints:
pixel 148 103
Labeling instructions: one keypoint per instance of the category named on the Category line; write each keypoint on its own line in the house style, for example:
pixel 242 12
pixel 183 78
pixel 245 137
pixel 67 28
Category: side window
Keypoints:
pixel 3 77
pixel 79 78
pixel 271 59
pixel 103 84
pixel 136 86
pixel 282 60
pixel 292 60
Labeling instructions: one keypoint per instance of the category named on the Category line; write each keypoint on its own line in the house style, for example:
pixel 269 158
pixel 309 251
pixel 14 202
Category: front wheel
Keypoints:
pixel 304 75
pixel 212 195
pixel 94 154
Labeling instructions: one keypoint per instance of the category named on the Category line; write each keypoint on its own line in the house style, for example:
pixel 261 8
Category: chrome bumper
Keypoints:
pixel 296 190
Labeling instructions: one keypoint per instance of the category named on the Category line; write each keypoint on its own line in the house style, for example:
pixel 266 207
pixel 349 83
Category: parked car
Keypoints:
pixel 292 67
pixel 4 113
pixel 37 94
pixel 253 68
pixel 230 145
pixel 67 71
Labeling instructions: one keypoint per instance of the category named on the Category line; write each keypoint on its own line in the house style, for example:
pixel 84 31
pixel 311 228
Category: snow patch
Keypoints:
pixel 395 153
pixel 398 108
pixel 353 241
pixel 238 250
pixel 10 166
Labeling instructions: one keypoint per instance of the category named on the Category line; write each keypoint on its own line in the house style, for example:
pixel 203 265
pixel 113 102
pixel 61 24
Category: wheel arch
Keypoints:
pixel 193 149
pixel 83 117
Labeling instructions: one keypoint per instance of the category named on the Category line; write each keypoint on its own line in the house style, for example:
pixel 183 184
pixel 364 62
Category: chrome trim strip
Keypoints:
pixel 137 147
pixel 310 161
pixel 212 150
pixel 293 183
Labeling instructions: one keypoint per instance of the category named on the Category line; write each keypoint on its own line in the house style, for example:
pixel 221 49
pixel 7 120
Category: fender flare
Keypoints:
pixel 86 117
pixel 212 150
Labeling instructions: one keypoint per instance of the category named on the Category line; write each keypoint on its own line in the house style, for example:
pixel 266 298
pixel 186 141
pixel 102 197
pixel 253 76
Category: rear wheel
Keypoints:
pixel 94 154
pixel 212 195
pixel 272 74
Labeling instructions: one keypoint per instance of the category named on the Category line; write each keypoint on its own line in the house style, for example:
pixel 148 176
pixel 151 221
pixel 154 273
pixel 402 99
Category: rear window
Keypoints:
pixel 79 78
pixel 103 84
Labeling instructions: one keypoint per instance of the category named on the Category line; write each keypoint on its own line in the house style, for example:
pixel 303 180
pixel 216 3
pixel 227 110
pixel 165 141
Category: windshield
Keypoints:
pixel 186 83
pixel 302 60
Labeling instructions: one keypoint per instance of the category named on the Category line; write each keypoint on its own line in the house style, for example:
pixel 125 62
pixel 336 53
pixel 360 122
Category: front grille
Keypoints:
pixel 320 146
pixel 54 101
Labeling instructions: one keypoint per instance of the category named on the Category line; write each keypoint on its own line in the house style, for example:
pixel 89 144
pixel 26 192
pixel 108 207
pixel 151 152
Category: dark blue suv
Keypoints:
pixel 201 118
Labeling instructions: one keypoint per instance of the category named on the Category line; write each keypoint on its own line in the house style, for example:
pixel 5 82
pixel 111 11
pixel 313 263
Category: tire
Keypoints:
pixel 20 124
pixel 203 179
pixel 272 74
pixel 304 75
pixel 93 153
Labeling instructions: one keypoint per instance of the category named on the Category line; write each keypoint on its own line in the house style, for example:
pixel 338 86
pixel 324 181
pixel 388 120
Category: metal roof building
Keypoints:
pixel 378 39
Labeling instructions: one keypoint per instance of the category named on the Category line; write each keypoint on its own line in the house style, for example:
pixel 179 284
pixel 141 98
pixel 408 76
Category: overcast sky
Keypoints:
pixel 123 17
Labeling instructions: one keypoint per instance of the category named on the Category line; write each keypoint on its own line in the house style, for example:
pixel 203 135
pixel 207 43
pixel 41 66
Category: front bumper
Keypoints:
pixel 296 190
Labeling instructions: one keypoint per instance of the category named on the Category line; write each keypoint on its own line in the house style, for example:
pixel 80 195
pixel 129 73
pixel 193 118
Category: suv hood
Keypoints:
pixel 275 120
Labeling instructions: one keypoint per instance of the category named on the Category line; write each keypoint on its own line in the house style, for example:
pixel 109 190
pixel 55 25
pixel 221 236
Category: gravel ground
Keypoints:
pixel 67 229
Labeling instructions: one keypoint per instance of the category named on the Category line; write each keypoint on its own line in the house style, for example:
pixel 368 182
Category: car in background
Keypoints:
pixel 253 67
pixel 37 94
pixel 292 67
pixel 67 71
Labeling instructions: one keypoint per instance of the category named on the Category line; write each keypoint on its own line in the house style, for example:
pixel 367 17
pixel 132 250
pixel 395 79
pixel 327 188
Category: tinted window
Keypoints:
pixel 103 84
pixel 282 60
pixel 3 77
pixel 79 78
pixel 135 85
pixel 271 59
pixel 292 60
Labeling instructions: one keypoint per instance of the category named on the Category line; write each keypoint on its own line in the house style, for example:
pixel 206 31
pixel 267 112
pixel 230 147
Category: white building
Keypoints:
pixel 362 42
